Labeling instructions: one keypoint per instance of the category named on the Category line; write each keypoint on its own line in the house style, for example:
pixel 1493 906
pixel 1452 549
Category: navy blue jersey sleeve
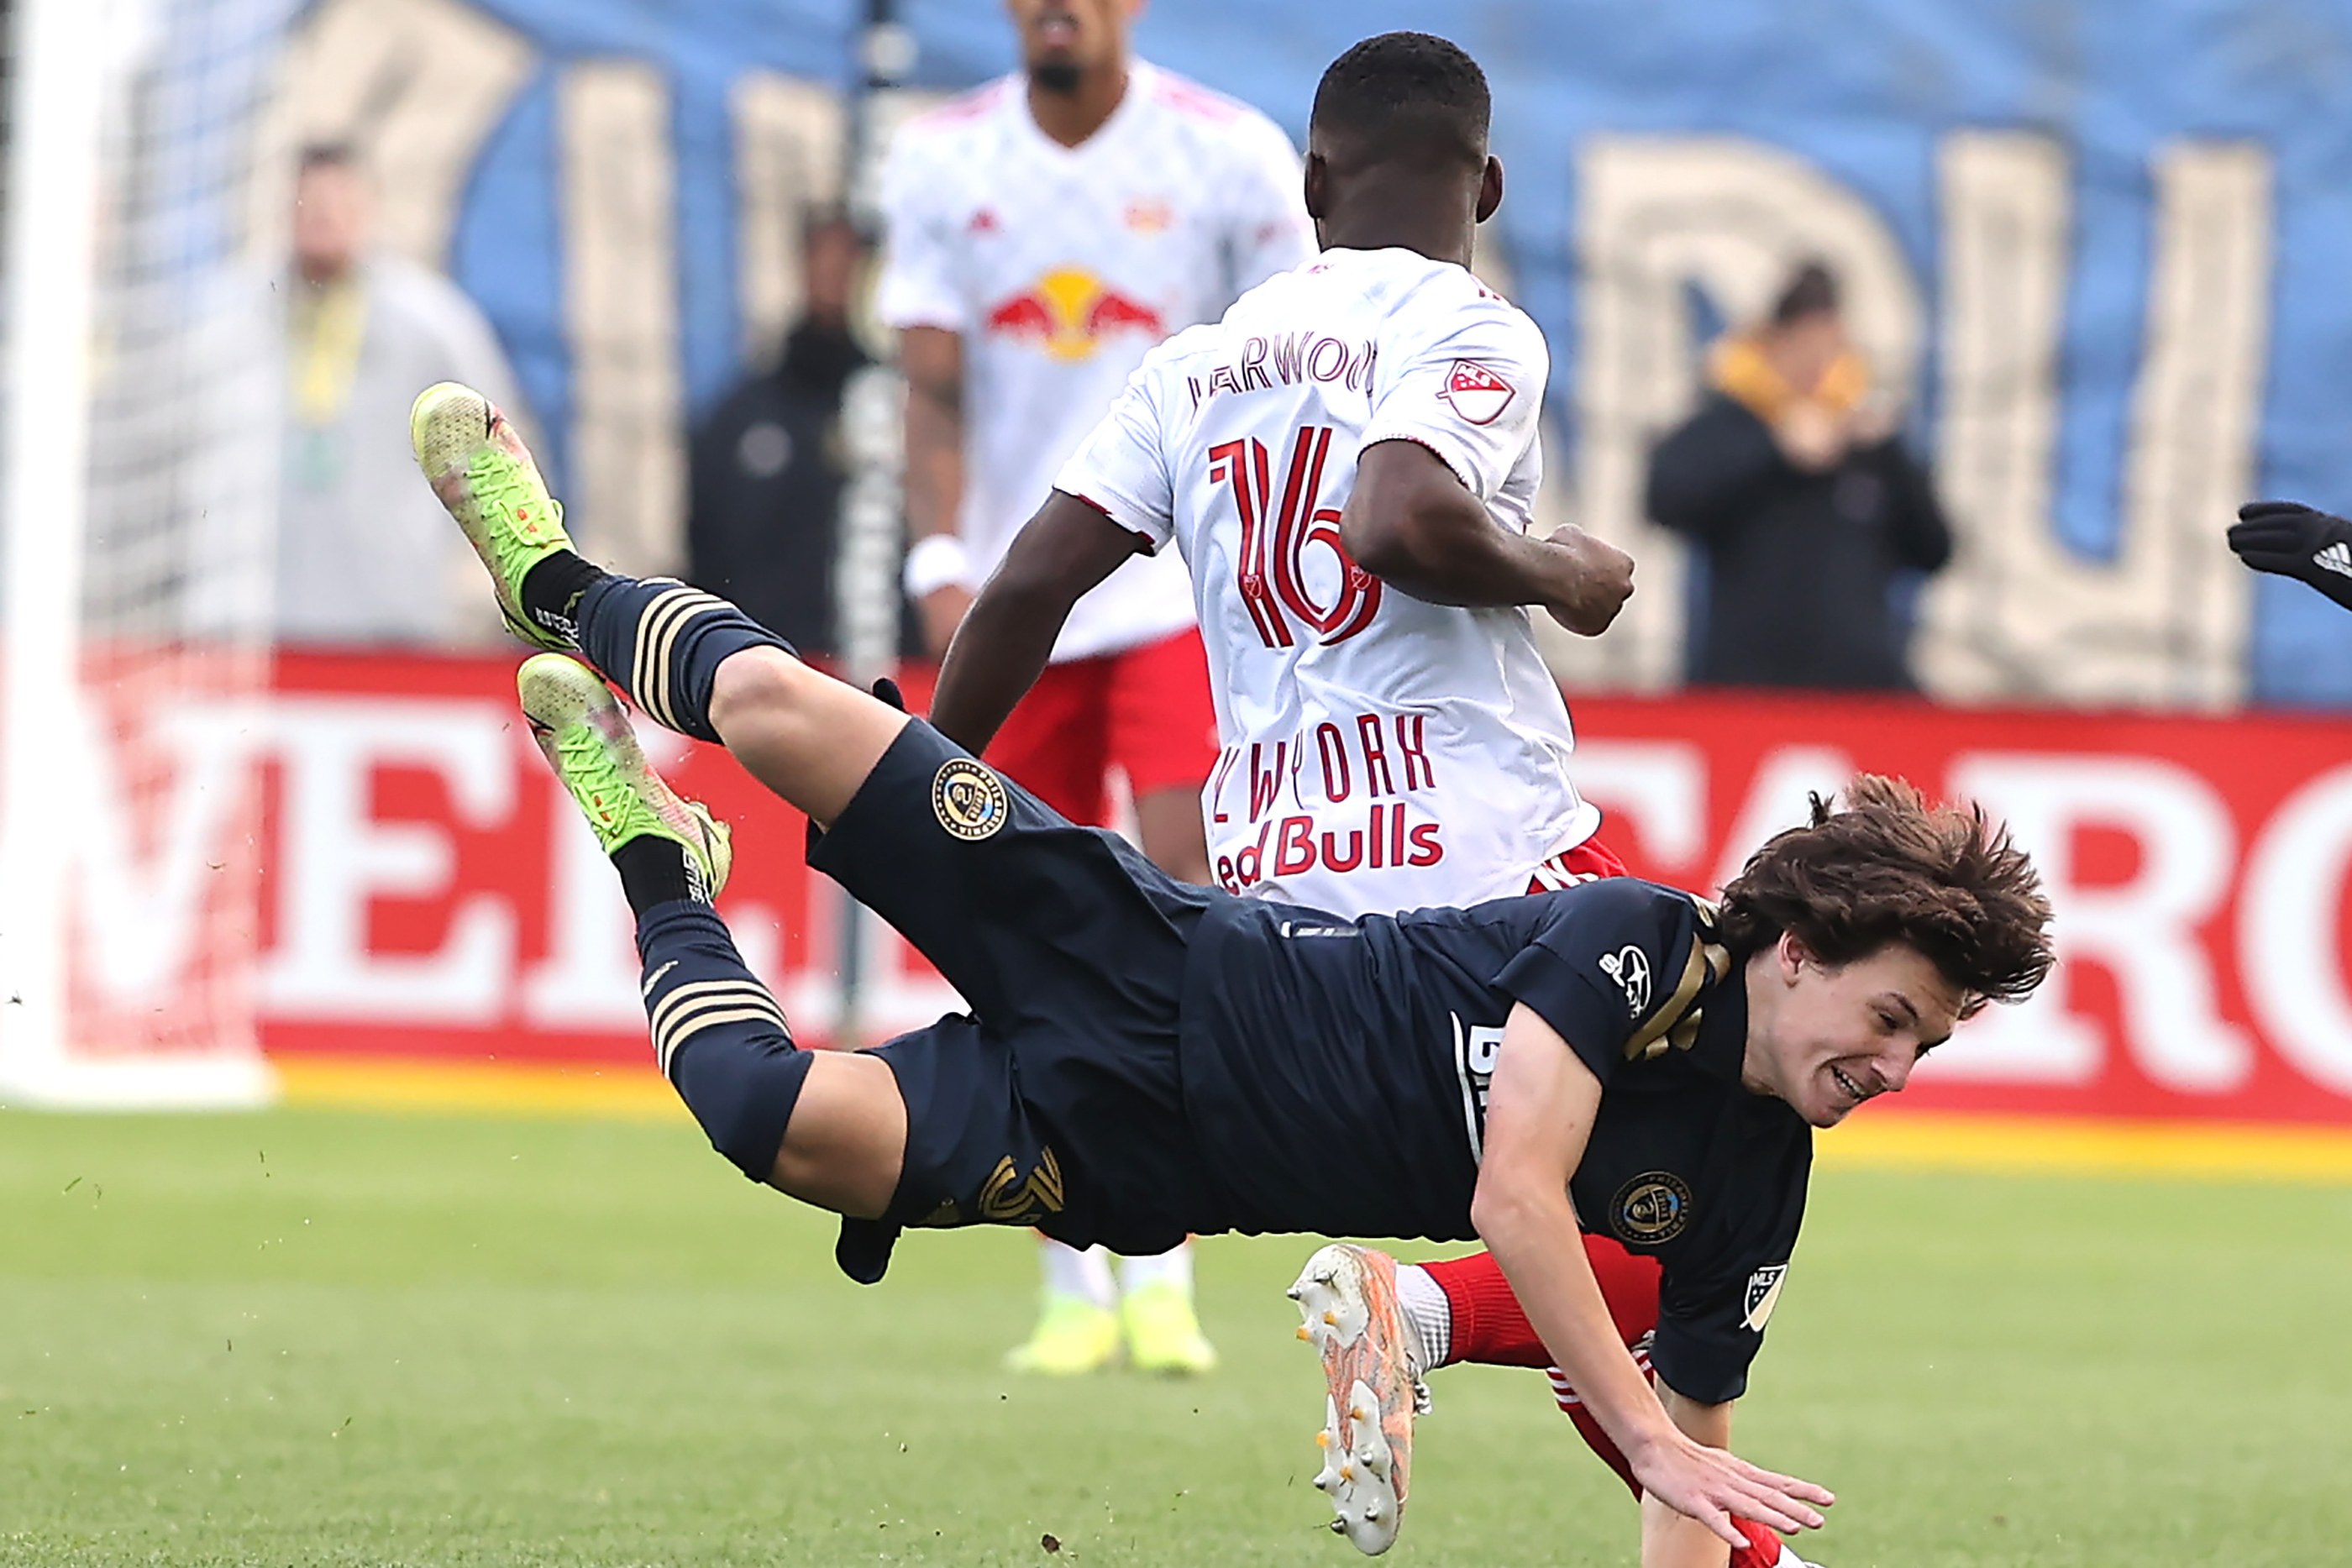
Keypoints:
pixel 1711 1323
pixel 1617 968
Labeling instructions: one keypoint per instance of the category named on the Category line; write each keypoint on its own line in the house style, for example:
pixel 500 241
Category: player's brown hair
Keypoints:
pixel 1888 866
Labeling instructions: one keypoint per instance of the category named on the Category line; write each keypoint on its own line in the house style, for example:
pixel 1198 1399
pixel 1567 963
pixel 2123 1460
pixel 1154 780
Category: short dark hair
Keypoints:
pixel 1811 290
pixel 1407 97
pixel 1889 867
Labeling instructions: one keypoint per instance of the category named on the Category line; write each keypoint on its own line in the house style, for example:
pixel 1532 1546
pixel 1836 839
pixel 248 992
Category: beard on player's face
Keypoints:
pixel 1064 41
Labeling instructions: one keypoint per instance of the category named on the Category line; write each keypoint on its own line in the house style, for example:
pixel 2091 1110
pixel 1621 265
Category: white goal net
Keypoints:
pixel 142 368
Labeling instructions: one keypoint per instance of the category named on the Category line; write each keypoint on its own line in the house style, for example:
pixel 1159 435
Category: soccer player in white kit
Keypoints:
pixel 1347 463
pixel 1043 234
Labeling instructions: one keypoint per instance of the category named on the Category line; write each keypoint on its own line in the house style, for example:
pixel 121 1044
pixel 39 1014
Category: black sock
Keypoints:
pixel 656 871
pixel 719 1035
pixel 553 589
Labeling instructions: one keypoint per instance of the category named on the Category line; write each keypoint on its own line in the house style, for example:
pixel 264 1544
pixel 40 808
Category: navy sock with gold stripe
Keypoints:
pixel 662 642
pixel 718 1034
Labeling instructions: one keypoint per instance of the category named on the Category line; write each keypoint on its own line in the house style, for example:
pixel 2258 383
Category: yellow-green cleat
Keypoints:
pixel 475 462
pixel 1073 1337
pixel 586 739
pixel 1164 1334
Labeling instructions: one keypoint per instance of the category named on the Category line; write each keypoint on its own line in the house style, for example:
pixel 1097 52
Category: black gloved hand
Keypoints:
pixel 2293 540
pixel 887 691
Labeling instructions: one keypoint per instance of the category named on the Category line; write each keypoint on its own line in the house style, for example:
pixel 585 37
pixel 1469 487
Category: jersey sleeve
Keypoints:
pixel 918 287
pixel 1710 1326
pixel 1620 969
pixel 1271 232
pixel 1471 392
pixel 1121 468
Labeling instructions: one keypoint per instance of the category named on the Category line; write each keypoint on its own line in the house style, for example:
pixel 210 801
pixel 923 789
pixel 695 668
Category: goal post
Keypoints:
pixel 138 486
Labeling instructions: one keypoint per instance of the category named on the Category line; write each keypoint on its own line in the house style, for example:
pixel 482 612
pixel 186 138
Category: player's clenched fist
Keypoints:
pixel 1603 578
pixel 2293 540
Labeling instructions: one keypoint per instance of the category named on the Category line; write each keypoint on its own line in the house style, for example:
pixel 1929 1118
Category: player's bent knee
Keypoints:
pixel 758 683
pixel 847 1141
pixel 745 1099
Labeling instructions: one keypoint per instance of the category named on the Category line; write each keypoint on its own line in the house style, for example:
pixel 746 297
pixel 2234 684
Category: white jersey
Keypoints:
pixel 1061 268
pixel 1381 753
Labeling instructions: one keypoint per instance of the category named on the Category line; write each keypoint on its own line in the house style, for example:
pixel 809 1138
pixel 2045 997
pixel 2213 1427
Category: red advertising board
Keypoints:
pixel 427 896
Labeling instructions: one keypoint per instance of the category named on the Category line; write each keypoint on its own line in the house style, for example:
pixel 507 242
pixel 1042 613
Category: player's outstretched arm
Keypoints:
pixel 2295 540
pixel 1410 522
pixel 932 359
pixel 1540 1109
pixel 1007 636
pixel 1672 1540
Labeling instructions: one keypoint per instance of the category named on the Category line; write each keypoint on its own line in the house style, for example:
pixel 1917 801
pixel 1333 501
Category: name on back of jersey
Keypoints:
pixel 1352 793
pixel 1289 359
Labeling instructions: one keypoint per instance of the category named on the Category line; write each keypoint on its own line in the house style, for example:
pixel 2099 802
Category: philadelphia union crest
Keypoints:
pixel 1651 1209
pixel 969 799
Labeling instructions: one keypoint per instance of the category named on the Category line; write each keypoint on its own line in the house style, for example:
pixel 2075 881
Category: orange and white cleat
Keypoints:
pixel 1346 1297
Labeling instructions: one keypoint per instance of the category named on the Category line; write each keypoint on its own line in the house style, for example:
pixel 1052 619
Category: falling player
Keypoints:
pixel 1147 1059
pixel 1347 463
pixel 1043 232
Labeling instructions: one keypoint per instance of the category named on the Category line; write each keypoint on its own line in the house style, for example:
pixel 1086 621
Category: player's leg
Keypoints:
pixel 1162 731
pixel 1164 737
pixel 1051 745
pixel 829 1129
pixel 693 662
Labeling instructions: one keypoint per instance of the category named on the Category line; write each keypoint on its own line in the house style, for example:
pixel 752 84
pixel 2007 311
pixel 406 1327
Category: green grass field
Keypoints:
pixel 315 1338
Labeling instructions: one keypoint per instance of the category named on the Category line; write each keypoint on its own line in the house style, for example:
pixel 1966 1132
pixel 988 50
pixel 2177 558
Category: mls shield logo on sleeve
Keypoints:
pixel 1475 393
pixel 1763 1295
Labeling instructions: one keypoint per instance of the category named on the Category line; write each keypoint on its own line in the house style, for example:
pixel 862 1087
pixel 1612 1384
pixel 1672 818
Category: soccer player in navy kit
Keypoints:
pixel 1146 1058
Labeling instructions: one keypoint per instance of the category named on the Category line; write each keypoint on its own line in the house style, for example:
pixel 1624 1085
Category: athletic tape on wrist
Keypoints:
pixel 935 562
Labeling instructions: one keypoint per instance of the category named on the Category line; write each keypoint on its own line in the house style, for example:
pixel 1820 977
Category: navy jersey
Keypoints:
pixel 1335 1076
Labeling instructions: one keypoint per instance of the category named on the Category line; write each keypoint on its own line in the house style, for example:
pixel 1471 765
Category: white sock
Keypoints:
pixel 1428 1316
pixel 1173 1267
pixel 1070 1273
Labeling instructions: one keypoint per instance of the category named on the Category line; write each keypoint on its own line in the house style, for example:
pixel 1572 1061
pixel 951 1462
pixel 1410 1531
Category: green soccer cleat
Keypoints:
pixel 586 739
pixel 475 462
pixel 1073 1337
pixel 1162 1333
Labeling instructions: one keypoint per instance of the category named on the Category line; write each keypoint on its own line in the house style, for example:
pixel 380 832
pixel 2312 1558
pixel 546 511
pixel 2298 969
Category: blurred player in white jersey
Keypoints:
pixel 1044 232
pixel 1347 463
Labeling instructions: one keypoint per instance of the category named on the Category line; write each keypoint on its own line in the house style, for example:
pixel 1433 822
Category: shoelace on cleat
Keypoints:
pixel 499 478
pixel 589 768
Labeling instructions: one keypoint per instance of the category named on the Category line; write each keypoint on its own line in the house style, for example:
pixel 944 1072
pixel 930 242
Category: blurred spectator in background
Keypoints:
pixel 762 523
pixel 1795 484
pixel 367 331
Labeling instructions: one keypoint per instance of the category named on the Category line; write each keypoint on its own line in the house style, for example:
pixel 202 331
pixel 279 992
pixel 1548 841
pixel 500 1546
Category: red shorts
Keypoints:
pixel 1144 711
pixel 1587 862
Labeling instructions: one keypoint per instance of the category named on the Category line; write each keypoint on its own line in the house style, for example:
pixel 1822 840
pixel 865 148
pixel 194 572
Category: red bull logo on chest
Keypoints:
pixel 1069 311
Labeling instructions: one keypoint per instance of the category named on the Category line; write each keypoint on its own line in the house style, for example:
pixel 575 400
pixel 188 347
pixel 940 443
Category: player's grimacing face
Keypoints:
pixel 1838 1034
pixel 1071 36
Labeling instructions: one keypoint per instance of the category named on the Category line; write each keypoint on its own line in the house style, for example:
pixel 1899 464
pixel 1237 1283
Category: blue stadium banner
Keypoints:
pixel 2098 250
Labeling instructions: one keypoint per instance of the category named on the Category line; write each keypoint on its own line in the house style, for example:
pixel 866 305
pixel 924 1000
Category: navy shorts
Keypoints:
pixel 1057 1100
